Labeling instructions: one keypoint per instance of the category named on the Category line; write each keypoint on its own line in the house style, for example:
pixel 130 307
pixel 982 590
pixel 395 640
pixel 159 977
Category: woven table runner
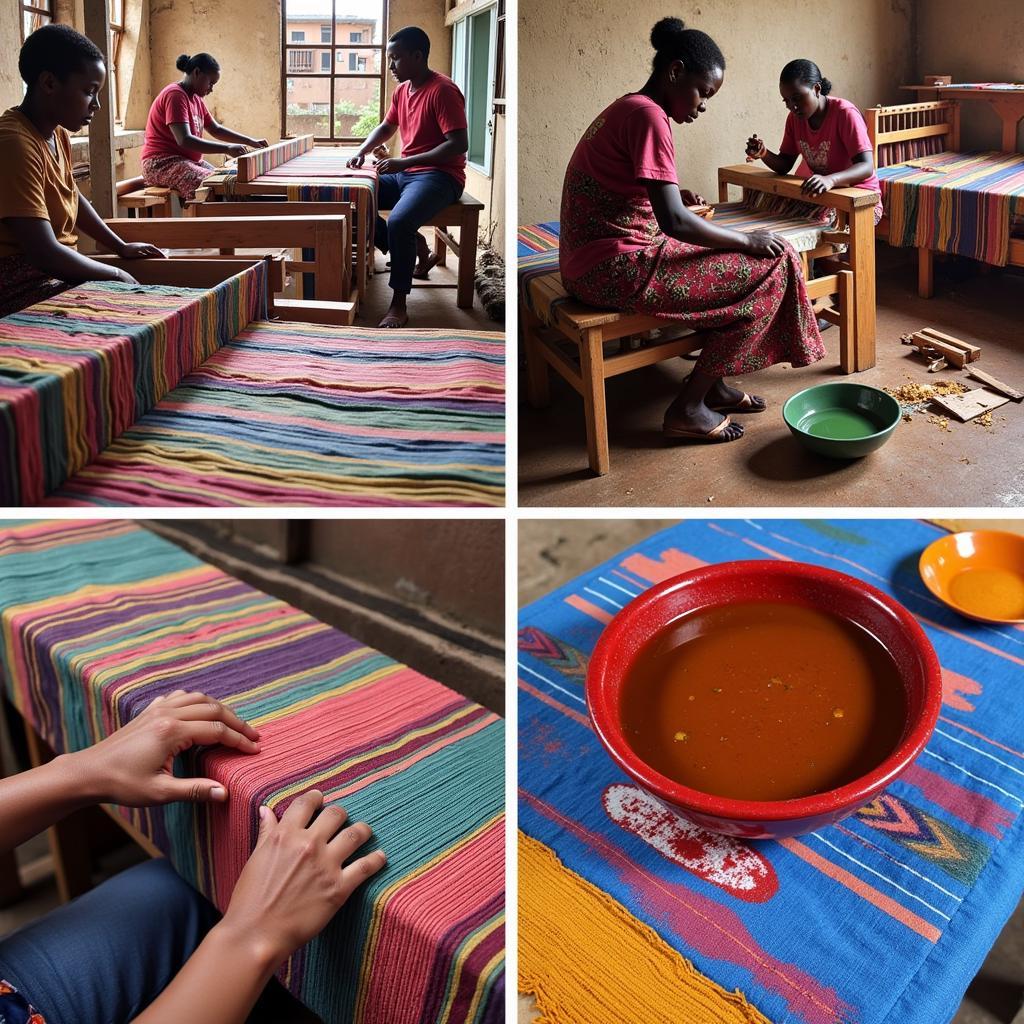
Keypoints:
pixel 961 203
pixel 883 918
pixel 300 414
pixel 78 369
pixel 98 618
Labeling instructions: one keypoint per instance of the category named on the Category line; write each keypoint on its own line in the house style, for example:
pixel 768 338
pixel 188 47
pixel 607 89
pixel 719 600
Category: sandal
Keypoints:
pixel 420 273
pixel 748 403
pixel 716 435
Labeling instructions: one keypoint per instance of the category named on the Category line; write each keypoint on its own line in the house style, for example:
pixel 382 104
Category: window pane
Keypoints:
pixel 357 62
pixel 325 33
pixel 300 61
pixel 479 86
pixel 356 107
pixel 358 21
pixel 31 21
pixel 325 60
pixel 308 104
pixel 297 36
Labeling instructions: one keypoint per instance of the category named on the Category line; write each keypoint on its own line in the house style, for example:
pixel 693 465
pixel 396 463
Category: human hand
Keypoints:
pixel 391 165
pixel 140 251
pixel 356 161
pixel 817 184
pixel 296 879
pixel 236 149
pixel 764 243
pixel 123 276
pixel 259 143
pixel 134 766
pixel 756 149
pixel 692 198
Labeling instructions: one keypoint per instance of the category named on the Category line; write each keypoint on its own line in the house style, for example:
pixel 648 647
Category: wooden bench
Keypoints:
pixel 136 196
pixel 464 215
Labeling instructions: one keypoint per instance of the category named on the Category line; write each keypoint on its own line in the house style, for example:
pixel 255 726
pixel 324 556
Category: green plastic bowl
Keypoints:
pixel 842 419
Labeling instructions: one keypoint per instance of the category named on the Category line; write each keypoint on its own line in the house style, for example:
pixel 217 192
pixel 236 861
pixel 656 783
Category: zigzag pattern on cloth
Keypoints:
pixel 958 854
pixel 98 618
pixel 78 369
pixel 568 660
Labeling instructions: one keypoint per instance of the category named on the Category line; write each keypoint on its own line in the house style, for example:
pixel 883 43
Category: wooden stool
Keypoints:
pixel 144 200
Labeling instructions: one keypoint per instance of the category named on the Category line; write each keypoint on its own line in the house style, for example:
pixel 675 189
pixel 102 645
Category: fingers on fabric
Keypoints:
pixel 208 709
pixel 354 874
pixel 302 809
pixel 196 791
pixel 328 822
pixel 208 733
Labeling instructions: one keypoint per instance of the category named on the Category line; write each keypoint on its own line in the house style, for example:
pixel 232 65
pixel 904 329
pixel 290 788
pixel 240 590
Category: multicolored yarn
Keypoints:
pixel 78 369
pixel 300 414
pixel 251 165
pixel 98 618
pixel 964 206
pixel 883 918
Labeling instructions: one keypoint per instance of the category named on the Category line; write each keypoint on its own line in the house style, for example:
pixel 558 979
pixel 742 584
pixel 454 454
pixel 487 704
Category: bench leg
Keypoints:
pixel 847 353
pixel 467 258
pixel 594 410
pixel 862 263
pixel 440 249
pixel 538 390
pixel 925 272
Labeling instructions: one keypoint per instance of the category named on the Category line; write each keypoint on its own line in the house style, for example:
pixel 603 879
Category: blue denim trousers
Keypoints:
pixel 412 199
pixel 104 957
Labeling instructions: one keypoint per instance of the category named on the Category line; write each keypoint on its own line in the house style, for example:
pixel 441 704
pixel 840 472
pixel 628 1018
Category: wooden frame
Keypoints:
pixel 941 119
pixel 38 11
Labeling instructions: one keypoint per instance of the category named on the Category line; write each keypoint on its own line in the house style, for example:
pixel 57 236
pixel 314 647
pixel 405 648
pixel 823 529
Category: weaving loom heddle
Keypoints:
pixel 98 618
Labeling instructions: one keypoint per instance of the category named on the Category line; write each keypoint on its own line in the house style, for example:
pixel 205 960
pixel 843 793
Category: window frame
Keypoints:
pixel 331 71
pixel 117 33
pixel 38 11
pixel 459 20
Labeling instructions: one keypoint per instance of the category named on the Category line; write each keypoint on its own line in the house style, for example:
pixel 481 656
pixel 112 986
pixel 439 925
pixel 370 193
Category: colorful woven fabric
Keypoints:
pixel 964 206
pixel 299 414
pixel 78 369
pixel 251 165
pixel 98 618
pixel 881 919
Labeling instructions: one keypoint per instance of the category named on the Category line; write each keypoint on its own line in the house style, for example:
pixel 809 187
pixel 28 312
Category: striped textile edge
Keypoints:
pixel 99 617
pixel 81 367
pixel 575 941
pixel 300 414
pixel 252 165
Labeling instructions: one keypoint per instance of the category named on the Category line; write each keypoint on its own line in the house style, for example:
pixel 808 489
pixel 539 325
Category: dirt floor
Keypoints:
pixel 922 465
pixel 552 552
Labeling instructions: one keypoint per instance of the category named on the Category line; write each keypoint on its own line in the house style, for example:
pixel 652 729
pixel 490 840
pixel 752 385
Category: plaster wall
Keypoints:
pixel 995 29
pixel 576 56
pixel 10 34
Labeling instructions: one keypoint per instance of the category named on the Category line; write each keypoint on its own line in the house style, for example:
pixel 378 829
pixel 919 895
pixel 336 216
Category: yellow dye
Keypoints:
pixel 585 958
pixel 994 593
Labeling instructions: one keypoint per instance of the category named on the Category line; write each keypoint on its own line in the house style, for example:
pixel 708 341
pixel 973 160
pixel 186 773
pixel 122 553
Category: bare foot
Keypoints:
pixel 396 315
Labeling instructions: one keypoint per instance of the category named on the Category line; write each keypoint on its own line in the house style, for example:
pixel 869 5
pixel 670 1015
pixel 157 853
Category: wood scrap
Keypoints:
pixel 836 237
pixel 938 364
pixel 934 344
pixel 995 384
pixel 973 403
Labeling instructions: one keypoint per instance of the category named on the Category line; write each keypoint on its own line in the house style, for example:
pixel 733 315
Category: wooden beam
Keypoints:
pixel 102 176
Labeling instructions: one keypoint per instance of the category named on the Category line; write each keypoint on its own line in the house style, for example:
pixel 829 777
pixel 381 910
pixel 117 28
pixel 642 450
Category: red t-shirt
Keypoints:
pixel 832 147
pixel 629 143
pixel 425 116
pixel 174 106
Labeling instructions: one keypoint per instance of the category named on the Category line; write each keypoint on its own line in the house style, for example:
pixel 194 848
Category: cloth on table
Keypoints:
pixel 965 206
pixel 883 918
pixel 79 368
pixel 97 618
pixel 301 414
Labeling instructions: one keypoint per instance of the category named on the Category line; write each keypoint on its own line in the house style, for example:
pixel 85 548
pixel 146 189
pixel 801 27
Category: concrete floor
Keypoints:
pixel 552 552
pixel 921 466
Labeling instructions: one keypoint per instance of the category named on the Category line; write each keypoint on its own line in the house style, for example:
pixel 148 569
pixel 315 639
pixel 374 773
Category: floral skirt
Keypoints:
pixel 22 285
pixel 755 308
pixel 184 176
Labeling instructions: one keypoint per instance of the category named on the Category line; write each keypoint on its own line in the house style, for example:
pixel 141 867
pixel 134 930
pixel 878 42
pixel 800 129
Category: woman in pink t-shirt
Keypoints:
pixel 628 242
pixel 172 155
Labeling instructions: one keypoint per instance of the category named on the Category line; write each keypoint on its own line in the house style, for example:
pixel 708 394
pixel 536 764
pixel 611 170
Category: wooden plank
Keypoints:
pixel 651 354
pixel 594 411
pixel 186 273
pixel 993 382
pixel 102 155
pixel 973 351
pixel 965 407
pixel 338 314
pixel 226 232
pixel 761 179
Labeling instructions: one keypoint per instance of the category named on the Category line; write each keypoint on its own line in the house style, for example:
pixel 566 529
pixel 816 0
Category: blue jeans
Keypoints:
pixel 412 199
pixel 104 957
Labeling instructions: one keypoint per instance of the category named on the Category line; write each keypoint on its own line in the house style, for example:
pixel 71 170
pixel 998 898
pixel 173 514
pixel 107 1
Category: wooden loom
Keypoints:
pixel 936 119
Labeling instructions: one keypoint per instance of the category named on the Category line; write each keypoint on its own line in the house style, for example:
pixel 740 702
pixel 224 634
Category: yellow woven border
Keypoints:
pixel 587 960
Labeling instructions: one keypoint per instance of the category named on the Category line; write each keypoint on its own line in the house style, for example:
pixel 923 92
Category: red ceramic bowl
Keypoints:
pixel 790 582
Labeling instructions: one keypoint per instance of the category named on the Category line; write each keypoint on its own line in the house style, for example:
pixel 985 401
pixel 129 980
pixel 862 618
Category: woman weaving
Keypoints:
pixel 41 210
pixel 629 243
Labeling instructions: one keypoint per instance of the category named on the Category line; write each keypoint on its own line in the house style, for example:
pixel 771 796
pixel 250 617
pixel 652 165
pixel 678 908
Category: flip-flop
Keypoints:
pixel 392 321
pixel 421 275
pixel 748 403
pixel 713 436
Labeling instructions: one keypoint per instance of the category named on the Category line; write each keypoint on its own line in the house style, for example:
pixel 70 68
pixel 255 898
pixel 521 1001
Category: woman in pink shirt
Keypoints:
pixel 629 243
pixel 172 155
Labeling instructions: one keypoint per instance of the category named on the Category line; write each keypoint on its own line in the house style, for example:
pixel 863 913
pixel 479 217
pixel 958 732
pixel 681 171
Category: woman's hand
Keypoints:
pixel 356 160
pixel 236 149
pixel 259 143
pixel 140 251
pixel 756 149
pixel 296 879
pixel 817 184
pixel 692 198
pixel 123 276
pixel 391 165
pixel 764 243
pixel 133 766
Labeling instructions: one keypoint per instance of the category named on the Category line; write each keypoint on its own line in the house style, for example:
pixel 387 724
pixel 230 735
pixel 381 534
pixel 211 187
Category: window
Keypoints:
pixel 474 70
pixel 35 14
pixel 337 96
pixel 116 39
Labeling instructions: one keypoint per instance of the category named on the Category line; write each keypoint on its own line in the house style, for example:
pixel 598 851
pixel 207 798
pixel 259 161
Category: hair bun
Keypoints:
pixel 183 62
pixel 665 32
pixel 826 86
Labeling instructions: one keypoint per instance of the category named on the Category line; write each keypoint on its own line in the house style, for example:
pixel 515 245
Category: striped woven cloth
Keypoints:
pixel 78 369
pixel 259 162
pixel 98 618
pixel 962 203
pixel 299 414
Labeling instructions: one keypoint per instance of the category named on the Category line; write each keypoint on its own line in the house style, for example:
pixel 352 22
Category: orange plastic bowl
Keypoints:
pixel 979 574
